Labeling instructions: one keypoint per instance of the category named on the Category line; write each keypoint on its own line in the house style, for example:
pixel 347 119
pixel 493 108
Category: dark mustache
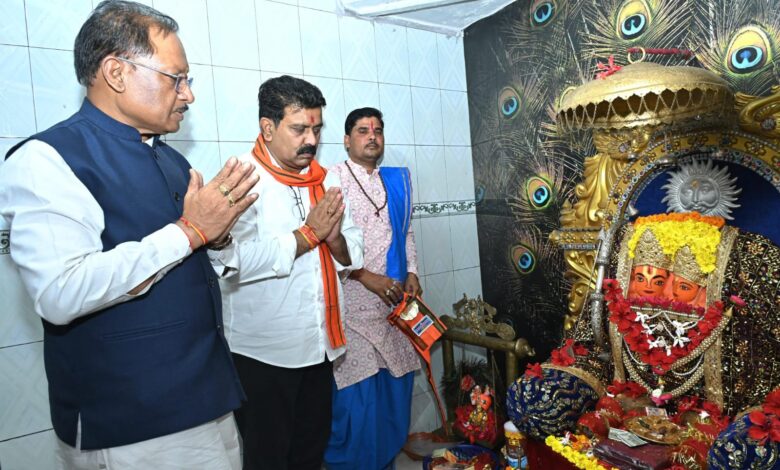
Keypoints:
pixel 307 149
pixel 183 109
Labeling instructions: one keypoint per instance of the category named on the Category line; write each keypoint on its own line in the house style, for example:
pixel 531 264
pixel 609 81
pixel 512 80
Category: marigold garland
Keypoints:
pixel 577 458
pixel 673 231
pixel 716 221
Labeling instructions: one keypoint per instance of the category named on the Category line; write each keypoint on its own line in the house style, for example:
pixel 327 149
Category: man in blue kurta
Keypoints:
pixel 110 229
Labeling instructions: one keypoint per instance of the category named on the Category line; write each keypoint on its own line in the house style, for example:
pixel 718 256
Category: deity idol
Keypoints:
pixel 672 333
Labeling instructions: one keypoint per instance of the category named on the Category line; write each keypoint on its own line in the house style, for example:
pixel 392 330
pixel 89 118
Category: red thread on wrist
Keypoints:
pixel 197 230
pixel 189 240
pixel 308 234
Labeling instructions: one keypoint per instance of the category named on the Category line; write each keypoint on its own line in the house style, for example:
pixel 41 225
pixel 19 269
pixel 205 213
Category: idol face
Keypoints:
pixel 699 194
pixel 684 290
pixel 648 281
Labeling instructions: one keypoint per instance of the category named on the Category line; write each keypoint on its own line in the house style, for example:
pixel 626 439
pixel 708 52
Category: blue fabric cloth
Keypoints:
pixel 370 422
pixel 155 365
pixel 398 185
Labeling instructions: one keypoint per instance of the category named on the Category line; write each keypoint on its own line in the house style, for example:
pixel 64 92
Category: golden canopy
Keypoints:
pixel 646 94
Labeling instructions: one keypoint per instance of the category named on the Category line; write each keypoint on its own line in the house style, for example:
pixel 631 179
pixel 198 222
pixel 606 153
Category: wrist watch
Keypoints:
pixel 218 246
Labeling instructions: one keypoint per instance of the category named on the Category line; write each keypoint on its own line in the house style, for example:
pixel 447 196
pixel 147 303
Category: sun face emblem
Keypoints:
pixel 702 187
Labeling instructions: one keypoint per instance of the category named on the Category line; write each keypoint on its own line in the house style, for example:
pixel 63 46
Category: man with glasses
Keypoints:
pixel 110 229
pixel 283 297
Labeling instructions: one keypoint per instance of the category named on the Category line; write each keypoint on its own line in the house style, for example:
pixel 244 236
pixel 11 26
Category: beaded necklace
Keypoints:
pixel 378 208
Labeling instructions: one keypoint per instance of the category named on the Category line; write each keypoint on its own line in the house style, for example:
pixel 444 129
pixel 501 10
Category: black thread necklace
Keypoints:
pixel 378 208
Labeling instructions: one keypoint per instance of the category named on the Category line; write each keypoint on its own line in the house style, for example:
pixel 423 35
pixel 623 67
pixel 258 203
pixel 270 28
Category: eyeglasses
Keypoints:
pixel 182 82
pixel 298 203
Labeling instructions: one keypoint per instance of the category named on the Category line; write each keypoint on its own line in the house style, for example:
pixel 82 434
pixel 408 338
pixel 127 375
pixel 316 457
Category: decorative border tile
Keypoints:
pixel 440 209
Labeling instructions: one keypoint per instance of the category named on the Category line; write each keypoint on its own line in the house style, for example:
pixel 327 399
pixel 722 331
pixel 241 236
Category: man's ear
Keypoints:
pixel 112 72
pixel 267 128
pixel 346 143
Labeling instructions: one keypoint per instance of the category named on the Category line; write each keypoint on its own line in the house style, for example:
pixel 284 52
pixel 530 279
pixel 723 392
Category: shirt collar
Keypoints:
pixel 360 170
pixel 109 124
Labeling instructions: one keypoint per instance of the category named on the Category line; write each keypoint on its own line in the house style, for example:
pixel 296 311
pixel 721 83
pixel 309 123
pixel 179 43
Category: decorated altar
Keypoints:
pixel 670 353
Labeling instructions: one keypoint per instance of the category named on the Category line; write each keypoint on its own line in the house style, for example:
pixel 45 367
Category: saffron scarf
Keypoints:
pixel 312 180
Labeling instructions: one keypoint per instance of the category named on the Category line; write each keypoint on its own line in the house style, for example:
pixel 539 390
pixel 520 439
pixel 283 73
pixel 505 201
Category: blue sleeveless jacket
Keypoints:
pixel 157 364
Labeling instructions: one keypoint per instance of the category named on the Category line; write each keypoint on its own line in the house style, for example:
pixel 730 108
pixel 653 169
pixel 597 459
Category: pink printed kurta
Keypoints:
pixel 372 342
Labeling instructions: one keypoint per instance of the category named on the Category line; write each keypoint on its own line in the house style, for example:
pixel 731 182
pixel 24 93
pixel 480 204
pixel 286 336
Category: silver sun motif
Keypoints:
pixel 702 187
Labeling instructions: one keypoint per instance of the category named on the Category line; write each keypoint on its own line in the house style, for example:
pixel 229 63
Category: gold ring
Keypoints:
pixel 231 201
pixel 387 292
pixel 224 190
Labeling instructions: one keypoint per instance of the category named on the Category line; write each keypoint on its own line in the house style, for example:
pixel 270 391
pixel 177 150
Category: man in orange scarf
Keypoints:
pixel 282 292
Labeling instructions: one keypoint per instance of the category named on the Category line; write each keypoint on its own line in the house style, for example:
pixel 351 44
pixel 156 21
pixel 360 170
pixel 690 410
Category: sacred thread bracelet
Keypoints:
pixel 308 234
pixel 197 230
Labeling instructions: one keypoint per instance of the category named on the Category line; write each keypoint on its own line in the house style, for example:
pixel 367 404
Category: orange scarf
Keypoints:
pixel 312 180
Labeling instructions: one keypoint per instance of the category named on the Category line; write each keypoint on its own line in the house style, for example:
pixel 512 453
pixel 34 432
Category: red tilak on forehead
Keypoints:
pixel 311 119
pixel 371 123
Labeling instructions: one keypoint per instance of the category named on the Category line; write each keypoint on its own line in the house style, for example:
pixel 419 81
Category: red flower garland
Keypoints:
pixel 638 340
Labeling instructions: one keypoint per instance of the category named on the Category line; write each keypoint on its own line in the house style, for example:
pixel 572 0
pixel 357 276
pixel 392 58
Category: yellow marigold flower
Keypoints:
pixel 701 237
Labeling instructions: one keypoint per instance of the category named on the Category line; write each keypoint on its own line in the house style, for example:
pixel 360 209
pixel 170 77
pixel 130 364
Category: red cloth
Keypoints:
pixel 541 457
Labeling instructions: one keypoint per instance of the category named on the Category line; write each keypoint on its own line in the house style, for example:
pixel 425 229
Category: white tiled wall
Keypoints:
pixel 416 77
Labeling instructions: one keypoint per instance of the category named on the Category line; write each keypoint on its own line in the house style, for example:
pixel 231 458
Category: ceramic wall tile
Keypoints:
pixel 200 121
pixel 431 174
pixel 13 29
pixel 55 23
pixel 16 100
pixel 396 104
pixel 392 53
pixel 329 155
pixel 426 105
pixel 437 244
pixel 360 95
pixel 236 98
pixel 35 451
pixel 460 173
pixel 19 324
pixel 23 391
pixel 423 58
pixel 321 44
pixel 452 63
pixel 330 6
pixel 467 281
pixel 464 241
pixel 193 19
pixel 279 37
pixel 455 118
pixel 358 52
pixel 203 156
pixel 55 99
pixel 233 34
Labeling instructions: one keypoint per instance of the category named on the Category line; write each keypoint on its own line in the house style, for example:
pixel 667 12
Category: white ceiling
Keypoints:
pixel 442 16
